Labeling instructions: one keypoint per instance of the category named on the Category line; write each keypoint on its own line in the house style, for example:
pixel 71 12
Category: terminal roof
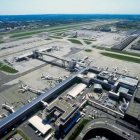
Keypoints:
pixel 38 124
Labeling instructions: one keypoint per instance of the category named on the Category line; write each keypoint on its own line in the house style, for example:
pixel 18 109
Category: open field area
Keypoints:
pixel 56 37
pixel 87 42
pixel 119 52
pixel 30 33
pixel 75 41
pixel 8 69
pixel 125 58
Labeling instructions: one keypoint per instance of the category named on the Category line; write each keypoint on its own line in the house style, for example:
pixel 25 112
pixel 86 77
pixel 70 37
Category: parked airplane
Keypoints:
pixel 24 88
pixel 115 68
pixel 126 70
pixel 10 108
pixel 27 88
pixel 46 77
pixel 51 78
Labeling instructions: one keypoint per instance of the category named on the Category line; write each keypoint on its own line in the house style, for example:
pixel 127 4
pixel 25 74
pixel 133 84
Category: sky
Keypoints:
pixel 24 7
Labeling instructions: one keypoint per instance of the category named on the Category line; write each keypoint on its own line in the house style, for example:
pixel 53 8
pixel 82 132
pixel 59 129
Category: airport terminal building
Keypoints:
pixel 63 112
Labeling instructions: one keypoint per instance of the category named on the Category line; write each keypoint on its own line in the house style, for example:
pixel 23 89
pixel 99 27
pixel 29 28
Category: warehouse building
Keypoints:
pixel 76 90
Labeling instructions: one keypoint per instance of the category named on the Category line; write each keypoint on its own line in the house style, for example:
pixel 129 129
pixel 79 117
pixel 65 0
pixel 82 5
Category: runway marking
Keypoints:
pixel 5 98
pixel 2 97
pixel 12 95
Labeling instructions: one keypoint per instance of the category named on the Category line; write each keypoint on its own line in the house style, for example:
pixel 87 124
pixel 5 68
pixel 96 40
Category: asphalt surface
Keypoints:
pixel 110 125
pixel 31 48
pixel 6 78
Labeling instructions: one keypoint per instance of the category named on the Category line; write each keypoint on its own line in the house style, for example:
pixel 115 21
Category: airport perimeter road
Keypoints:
pixel 6 78
pixel 110 125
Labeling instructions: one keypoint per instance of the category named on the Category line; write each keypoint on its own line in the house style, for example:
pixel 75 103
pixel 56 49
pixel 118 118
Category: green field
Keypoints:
pixel 75 41
pixel 87 42
pixel 1 42
pixel 97 47
pixel 121 57
pixel 0 64
pixel 121 52
pixel 8 69
pixel 12 32
pixel 56 37
pixel 67 27
pixel 25 34
pixel 88 50
pixel 78 130
pixel 48 39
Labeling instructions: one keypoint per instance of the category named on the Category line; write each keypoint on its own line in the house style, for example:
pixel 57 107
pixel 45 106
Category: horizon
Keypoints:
pixel 71 14
pixel 39 7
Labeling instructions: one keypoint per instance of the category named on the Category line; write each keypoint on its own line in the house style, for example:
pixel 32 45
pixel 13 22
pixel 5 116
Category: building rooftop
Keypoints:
pixel 123 90
pixel 62 106
pixel 76 90
pixel 137 95
pixel 98 86
pixel 104 75
pixel 38 124
pixel 128 80
pixel 134 106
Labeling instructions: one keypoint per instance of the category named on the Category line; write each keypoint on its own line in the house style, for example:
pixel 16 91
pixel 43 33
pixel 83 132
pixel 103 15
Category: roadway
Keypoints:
pixel 110 125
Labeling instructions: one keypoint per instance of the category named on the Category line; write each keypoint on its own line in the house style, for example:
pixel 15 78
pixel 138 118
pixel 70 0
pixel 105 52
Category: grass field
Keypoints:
pixel 88 50
pixel 121 52
pixel 87 42
pixel 25 34
pixel 67 27
pixel 8 69
pixel 0 64
pixel 75 41
pixel 2 42
pixel 56 37
pixel 121 57
pixel 48 39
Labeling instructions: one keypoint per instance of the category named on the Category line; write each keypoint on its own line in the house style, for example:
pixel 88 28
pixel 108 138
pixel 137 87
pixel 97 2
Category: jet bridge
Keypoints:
pixel 73 64
pixel 65 61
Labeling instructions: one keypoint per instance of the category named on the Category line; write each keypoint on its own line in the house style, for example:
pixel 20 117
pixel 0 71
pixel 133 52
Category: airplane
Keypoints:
pixel 10 108
pixel 24 88
pixel 126 70
pixel 46 77
pixel 51 78
pixel 116 68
